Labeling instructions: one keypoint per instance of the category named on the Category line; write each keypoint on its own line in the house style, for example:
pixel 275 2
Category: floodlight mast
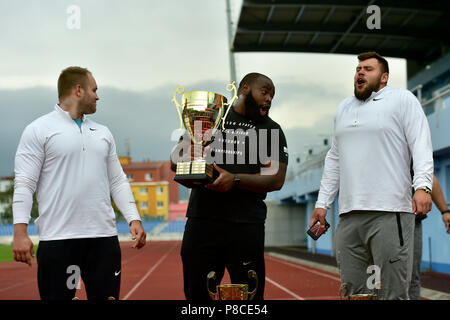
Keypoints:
pixel 230 43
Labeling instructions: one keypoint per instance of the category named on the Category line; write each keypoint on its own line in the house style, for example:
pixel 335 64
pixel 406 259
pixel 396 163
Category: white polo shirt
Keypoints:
pixel 74 172
pixel 370 156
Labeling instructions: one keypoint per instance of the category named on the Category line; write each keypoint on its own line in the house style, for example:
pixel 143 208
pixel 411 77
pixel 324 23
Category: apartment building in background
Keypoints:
pixel 153 187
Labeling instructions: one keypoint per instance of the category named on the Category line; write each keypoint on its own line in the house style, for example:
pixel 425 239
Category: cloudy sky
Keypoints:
pixel 139 51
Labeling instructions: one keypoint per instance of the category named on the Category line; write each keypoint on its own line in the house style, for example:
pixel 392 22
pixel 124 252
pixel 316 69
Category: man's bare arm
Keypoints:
pixel 251 182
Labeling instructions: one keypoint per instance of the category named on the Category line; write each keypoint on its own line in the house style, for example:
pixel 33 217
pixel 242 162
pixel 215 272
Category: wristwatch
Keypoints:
pixel 426 189
pixel 236 181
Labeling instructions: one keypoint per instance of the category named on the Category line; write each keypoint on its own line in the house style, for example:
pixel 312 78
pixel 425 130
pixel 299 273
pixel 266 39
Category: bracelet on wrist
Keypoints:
pixel 445 211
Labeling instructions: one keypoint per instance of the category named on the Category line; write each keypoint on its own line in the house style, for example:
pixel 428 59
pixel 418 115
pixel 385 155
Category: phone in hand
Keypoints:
pixel 317 230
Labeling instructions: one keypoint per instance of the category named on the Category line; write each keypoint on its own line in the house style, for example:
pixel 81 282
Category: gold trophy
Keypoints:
pixel 201 113
pixel 362 296
pixel 358 296
pixel 232 291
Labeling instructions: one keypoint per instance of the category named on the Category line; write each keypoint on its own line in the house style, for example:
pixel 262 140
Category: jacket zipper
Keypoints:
pixel 82 136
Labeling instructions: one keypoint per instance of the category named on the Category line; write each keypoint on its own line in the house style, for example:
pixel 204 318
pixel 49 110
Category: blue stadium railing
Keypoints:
pixel 122 228
pixel 175 226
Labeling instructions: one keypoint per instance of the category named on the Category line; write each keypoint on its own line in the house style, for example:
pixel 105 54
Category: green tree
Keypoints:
pixel 119 215
pixel 7 215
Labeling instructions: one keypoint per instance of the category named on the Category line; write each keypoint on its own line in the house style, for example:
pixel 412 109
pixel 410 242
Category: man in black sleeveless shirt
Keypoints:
pixel 225 226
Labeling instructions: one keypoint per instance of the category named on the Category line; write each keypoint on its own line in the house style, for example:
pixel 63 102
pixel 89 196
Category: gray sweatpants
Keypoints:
pixel 371 241
pixel 414 287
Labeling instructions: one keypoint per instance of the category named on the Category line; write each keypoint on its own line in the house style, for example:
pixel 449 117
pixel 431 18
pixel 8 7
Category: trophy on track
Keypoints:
pixel 343 294
pixel 232 291
pixel 363 297
pixel 201 113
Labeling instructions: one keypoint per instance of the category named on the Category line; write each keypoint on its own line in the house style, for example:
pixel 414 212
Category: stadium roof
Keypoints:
pixel 415 30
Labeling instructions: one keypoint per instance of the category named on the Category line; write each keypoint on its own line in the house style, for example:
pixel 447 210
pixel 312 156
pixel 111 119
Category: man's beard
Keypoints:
pixel 88 107
pixel 252 110
pixel 363 95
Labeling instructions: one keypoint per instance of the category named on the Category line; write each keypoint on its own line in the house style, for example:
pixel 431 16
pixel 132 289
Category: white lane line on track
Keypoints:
pixel 149 272
pixel 305 268
pixel 138 253
pixel 276 284
pixel 16 285
pixel 324 298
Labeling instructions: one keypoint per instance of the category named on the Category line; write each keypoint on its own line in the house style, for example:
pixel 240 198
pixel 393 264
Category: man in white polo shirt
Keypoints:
pixel 376 135
pixel 71 163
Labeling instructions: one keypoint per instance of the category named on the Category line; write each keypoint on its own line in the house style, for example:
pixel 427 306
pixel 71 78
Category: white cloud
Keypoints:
pixel 148 47
pixel 303 110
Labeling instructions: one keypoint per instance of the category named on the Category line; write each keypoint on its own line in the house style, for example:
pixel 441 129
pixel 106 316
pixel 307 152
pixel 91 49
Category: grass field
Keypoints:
pixel 6 253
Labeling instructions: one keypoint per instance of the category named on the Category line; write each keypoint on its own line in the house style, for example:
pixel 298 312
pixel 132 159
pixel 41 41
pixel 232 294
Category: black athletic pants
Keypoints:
pixel 213 245
pixel 62 262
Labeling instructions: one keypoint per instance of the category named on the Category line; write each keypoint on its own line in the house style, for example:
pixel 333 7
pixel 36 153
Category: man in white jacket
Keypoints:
pixel 376 134
pixel 71 163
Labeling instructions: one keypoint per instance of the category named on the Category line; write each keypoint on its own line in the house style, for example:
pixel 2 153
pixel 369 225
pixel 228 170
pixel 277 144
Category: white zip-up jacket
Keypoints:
pixel 74 173
pixel 370 157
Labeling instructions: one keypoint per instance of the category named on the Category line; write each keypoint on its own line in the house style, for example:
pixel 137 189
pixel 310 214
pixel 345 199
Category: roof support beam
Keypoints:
pixel 286 40
pixel 313 38
pixel 436 7
pixel 334 29
pixel 329 15
pixel 269 16
pixel 260 39
pixel 347 32
pixel 299 14
pixel 410 17
pixel 361 40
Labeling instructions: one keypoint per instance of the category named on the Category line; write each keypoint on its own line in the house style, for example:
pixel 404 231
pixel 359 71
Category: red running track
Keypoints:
pixel 155 273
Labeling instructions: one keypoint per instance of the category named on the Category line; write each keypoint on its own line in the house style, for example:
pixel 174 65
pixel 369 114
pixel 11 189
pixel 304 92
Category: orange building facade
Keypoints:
pixel 152 185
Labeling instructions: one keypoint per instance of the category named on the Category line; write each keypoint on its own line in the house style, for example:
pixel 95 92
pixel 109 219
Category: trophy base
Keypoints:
pixel 363 297
pixel 194 174
pixel 232 292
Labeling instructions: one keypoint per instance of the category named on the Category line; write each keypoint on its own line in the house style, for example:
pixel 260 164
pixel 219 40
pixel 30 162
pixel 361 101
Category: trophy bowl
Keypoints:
pixel 232 291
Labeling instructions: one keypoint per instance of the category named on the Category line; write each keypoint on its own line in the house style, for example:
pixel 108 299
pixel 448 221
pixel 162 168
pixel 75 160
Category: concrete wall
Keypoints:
pixel 439 124
pixel 326 243
pixel 285 224
pixel 435 240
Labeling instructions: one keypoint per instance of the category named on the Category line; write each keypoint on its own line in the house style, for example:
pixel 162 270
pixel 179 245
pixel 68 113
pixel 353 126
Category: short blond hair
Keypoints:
pixel 69 78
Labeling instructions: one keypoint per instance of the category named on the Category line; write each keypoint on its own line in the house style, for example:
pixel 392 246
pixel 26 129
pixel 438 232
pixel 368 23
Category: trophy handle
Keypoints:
pixel 179 90
pixel 231 86
pixel 252 275
pixel 211 275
